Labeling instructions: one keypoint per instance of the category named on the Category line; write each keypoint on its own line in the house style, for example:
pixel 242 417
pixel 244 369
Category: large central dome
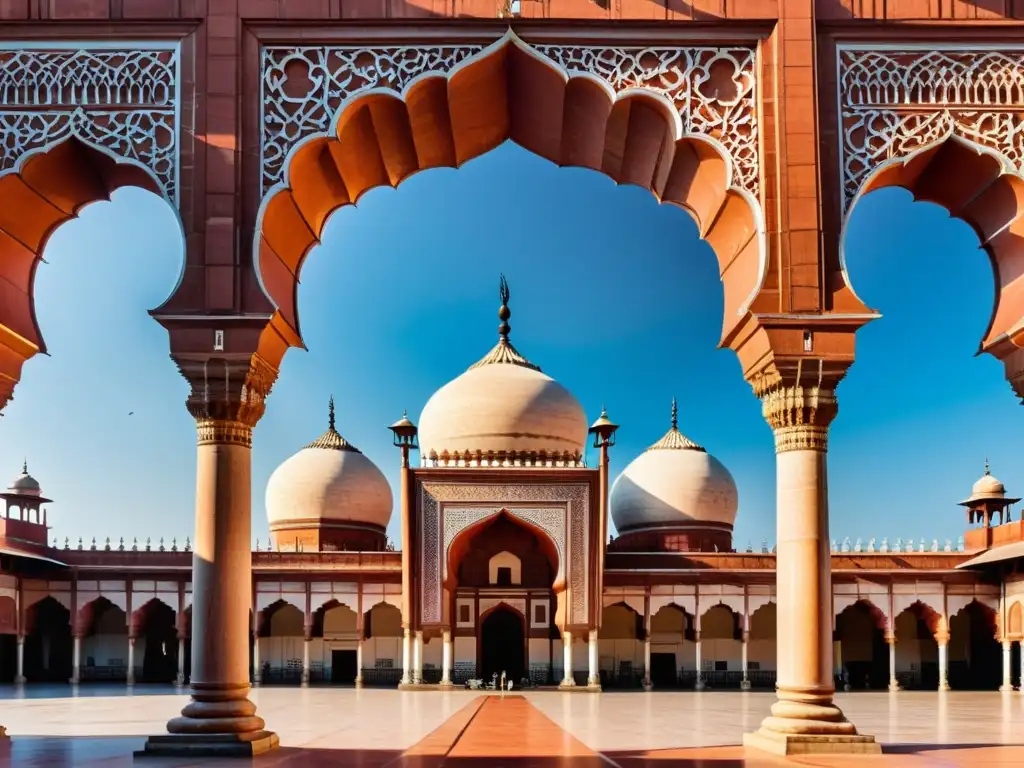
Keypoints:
pixel 503 408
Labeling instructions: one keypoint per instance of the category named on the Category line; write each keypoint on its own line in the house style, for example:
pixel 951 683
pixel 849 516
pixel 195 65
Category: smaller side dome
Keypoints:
pixel 328 496
pixel 986 488
pixel 674 496
pixel 24 484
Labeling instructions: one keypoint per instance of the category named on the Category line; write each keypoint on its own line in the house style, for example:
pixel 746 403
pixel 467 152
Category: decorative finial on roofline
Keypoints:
pixel 503 351
pixel 675 413
pixel 330 413
pixel 24 466
pixel 504 313
pixel 986 466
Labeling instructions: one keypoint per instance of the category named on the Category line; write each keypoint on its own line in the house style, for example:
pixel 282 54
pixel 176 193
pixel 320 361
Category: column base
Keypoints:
pixel 1005 688
pixel 745 685
pixel 699 686
pixel 20 680
pixel 594 685
pixel 777 743
pixel 209 745
pixel 359 682
pixel 446 685
pixel 567 683
pixel 648 685
pixel 894 687
pixel 943 687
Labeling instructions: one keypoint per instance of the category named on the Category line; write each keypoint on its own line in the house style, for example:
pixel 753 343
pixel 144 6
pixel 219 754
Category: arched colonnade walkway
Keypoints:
pixel 774 223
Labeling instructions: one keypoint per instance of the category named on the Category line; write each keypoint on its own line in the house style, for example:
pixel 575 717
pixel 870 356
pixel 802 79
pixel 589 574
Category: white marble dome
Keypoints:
pixel 673 481
pixel 502 404
pixel 328 480
pixel 24 484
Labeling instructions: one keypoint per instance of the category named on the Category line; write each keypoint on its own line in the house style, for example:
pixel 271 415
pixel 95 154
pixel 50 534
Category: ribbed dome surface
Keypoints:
pixel 25 484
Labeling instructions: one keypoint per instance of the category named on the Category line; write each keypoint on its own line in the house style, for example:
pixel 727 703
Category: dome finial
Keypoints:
pixel 24 466
pixel 504 313
pixel 986 466
pixel 675 414
pixel 330 414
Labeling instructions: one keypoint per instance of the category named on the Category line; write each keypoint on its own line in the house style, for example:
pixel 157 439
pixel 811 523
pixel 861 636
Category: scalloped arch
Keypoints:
pixel 980 187
pixel 507 92
pixel 46 188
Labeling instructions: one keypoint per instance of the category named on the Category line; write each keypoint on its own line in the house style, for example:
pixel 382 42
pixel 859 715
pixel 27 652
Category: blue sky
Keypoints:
pixel 612 294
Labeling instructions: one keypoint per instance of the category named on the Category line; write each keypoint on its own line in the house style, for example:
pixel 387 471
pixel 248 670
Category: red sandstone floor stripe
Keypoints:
pixel 496 732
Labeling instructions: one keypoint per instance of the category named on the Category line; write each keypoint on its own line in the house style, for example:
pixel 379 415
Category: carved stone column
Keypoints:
pixel 745 683
pixel 942 641
pixel 179 679
pixel 227 401
pixel 131 660
pixel 894 683
pixel 417 658
pixel 1007 664
pixel 76 659
pixel 360 639
pixel 307 641
pixel 568 679
pixel 446 657
pixel 19 675
pixel 406 657
pixel 803 719
pixel 699 662
pixel 593 672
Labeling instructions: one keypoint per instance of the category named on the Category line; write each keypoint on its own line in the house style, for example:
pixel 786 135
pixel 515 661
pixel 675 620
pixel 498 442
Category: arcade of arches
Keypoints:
pixel 256 131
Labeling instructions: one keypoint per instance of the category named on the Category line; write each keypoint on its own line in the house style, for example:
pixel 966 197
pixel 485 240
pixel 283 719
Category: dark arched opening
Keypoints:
pixel 160 653
pixel 502 645
pixel 48 645
pixel 975 658
pixel 860 629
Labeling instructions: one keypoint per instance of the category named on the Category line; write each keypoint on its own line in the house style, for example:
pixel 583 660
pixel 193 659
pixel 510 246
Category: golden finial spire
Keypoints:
pixel 674 440
pixel 330 439
pixel 503 351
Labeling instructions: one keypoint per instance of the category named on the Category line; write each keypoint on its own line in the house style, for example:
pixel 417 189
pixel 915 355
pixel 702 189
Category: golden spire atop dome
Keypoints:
pixel 674 440
pixel 503 352
pixel 331 440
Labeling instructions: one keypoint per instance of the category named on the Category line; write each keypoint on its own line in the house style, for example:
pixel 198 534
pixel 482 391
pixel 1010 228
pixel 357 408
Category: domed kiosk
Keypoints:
pixel 503 411
pixel 674 497
pixel 328 496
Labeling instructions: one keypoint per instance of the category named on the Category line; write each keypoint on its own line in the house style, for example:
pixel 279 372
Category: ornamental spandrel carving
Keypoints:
pixel 712 88
pixel 441 519
pixel 895 100
pixel 123 100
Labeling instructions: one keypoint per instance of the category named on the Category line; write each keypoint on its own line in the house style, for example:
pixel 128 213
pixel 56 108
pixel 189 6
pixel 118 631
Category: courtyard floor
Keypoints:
pixel 103 725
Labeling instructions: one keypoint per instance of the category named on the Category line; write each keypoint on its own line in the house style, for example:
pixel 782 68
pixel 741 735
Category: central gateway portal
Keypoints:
pixel 503 645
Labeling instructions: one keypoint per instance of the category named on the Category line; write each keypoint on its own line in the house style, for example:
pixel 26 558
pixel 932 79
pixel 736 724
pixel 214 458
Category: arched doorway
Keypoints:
pixel 48 645
pixel 502 645
pixel 860 629
pixel 975 657
pixel 158 637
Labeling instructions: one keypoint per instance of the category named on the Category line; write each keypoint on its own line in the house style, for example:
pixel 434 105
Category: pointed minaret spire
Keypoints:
pixel 330 414
pixel 24 466
pixel 503 351
pixel 674 439
pixel 330 439
pixel 986 466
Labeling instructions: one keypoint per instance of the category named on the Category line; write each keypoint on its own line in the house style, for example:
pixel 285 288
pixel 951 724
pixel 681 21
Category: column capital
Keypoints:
pixel 890 638
pixel 745 636
pixel 228 394
pixel 307 632
pixel 799 405
pixel 942 638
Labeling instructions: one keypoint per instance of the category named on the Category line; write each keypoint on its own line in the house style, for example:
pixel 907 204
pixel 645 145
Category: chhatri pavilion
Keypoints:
pixel 506 565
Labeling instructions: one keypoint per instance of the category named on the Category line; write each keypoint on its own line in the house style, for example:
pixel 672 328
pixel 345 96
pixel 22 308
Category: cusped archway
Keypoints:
pixel 510 91
pixel 982 188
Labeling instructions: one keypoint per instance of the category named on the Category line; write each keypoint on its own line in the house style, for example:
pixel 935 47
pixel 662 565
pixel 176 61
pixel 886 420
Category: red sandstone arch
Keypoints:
pixel 866 606
pixel 924 612
pixel 460 546
pixel 508 92
pixel 151 611
pixel 46 189
pixel 1015 620
pixel 978 186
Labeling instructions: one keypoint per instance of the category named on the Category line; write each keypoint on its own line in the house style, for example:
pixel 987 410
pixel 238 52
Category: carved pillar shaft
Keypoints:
pixel 894 683
pixel 220 716
pixel 1007 664
pixel 76 659
pixel 131 661
pixel 406 657
pixel 699 684
pixel 417 658
pixel 594 673
pixel 647 663
pixel 568 679
pixel 359 660
pixel 804 712
pixel 446 658
pixel 943 644
pixel 19 676
pixel 744 683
